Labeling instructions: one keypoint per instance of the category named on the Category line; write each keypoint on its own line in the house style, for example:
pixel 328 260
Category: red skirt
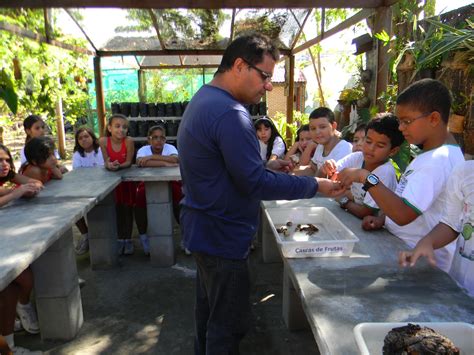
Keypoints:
pixel 176 191
pixel 125 193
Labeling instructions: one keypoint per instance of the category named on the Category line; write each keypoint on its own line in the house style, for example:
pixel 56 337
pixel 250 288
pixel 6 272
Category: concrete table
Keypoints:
pixel 159 210
pixel 38 232
pixel 335 294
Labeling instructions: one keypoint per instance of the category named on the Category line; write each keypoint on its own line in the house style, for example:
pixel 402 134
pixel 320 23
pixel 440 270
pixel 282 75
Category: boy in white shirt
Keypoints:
pixel 382 141
pixel 457 220
pixel 157 154
pixel 417 204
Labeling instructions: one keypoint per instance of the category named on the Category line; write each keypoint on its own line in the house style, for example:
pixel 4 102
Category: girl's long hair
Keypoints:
pixel 269 124
pixel 11 174
pixel 28 123
pixel 77 146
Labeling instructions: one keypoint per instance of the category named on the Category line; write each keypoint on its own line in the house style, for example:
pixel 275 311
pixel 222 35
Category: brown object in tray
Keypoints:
pixel 415 340
pixel 309 228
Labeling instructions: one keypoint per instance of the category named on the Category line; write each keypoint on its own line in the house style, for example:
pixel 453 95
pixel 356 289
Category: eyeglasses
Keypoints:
pixel 157 138
pixel 266 77
pixel 406 123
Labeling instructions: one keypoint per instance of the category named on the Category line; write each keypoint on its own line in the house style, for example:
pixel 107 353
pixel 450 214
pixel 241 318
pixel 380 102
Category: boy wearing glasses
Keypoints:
pixel 157 153
pixel 417 204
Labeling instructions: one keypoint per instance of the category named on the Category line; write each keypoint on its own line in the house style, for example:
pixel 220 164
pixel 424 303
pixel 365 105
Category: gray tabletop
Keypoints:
pixel 30 226
pixel 369 286
pixel 150 174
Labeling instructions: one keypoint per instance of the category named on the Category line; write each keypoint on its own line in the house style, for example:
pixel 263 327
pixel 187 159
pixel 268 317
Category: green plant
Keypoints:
pixel 7 92
pixel 389 98
pixel 299 119
pixel 460 103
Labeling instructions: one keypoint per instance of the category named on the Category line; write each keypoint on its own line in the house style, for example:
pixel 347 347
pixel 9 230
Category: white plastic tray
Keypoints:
pixel 332 239
pixel 369 336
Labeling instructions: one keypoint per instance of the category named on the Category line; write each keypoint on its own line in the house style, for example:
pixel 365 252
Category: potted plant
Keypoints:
pixel 458 112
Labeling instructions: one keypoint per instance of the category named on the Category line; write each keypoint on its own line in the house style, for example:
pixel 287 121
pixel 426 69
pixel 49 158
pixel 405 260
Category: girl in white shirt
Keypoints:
pixel 272 145
pixel 86 155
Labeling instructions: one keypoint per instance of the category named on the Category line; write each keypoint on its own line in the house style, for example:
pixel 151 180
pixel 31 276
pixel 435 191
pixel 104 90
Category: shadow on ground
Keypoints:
pixel 138 309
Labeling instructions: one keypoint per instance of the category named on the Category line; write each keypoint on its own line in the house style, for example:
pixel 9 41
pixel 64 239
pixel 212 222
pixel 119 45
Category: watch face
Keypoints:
pixel 374 180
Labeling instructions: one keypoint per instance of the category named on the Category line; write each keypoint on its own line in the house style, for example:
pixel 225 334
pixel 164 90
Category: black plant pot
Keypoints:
pixel 125 108
pixel 172 128
pixel 185 104
pixel 262 108
pixel 178 109
pixel 142 128
pixel 115 107
pixel 143 109
pixel 133 128
pixel 152 110
pixel 134 109
pixel 161 108
pixel 169 110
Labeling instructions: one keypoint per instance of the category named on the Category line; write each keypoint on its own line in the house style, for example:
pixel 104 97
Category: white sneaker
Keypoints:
pixel 187 251
pixel 128 248
pixel 145 244
pixel 28 318
pixel 82 244
pixel 18 350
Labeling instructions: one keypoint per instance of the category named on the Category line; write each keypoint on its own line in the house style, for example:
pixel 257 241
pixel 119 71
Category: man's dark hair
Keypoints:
pixel 38 150
pixel 323 112
pixel 426 96
pixel 250 47
pixel 387 124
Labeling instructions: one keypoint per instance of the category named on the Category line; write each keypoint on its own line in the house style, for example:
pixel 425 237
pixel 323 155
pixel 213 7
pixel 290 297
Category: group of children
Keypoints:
pixel 438 185
pixel 40 164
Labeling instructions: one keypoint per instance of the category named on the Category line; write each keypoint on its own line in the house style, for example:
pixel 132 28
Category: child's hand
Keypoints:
pixel 142 161
pixel 26 190
pixel 51 162
pixel 423 248
pixel 373 222
pixel 63 169
pixel 329 168
pixel 329 188
pixel 350 175
pixel 112 165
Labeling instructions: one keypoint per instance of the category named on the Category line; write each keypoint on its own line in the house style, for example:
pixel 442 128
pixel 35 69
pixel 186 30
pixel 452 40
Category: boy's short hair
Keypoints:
pixel 427 95
pixel 156 128
pixel 38 150
pixel 387 124
pixel 323 112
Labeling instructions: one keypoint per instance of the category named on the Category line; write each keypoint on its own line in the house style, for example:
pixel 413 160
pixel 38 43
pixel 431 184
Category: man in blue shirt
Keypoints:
pixel 224 181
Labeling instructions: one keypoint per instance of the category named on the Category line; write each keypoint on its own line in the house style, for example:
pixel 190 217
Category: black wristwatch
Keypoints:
pixel 371 181
pixel 343 201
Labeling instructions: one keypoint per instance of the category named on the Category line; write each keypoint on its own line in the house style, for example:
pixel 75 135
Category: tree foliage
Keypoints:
pixel 40 74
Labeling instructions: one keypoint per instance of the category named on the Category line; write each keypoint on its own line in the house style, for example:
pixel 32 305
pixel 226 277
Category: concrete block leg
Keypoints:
pixel 103 234
pixel 160 223
pixel 58 298
pixel 270 250
pixel 293 313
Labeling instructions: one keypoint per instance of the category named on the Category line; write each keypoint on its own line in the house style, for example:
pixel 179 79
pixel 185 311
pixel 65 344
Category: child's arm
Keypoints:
pixel 158 160
pixel 358 210
pixel 307 154
pixel 292 151
pixel 130 152
pixel 157 164
pixel 311 170
pixel 439 236
pixel 52 164
pixel 29 190
pixel 23 179
pixel 387 200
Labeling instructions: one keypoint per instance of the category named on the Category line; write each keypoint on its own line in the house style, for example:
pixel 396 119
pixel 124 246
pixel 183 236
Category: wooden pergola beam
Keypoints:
pixel 185 66
pixel 202 4
pixel 18 31
pixel 361 15
pixel 112 53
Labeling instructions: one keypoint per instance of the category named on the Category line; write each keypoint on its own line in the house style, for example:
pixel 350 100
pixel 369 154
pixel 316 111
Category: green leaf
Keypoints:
pixel 7 92
pixel 383 36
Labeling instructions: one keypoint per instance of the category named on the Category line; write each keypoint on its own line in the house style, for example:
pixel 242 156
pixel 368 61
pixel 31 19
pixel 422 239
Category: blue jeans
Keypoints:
pixel 222 313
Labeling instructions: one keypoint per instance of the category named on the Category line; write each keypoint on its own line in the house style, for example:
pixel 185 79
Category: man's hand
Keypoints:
pixel 280 165
pixel 329 188
pixel 350 175
pixel 373 222
pixel 423 248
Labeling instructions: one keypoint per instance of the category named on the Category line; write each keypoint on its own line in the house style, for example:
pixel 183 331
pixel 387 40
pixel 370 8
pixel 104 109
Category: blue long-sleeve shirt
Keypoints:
pixel 224 179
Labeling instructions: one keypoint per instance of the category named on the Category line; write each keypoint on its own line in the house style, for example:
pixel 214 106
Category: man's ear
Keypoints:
pixel 394 151
pixel 239 64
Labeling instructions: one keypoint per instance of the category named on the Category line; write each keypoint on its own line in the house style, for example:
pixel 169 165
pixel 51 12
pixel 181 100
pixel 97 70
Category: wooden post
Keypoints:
pixel 99 95
pixel 141 85
pixel 290 76
pixel 60 127
pixel 383 21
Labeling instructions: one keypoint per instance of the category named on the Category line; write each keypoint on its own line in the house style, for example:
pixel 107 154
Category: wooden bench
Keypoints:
pixel 38 232
pixel 332 295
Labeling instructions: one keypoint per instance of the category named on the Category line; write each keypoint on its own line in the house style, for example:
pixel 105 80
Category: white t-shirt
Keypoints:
pixel 422 187
pixel 385 172
pixel 146 151
pixel 341 149
pixel 459 215
pixel 278 148
pixel 23 157
pixel 89 160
